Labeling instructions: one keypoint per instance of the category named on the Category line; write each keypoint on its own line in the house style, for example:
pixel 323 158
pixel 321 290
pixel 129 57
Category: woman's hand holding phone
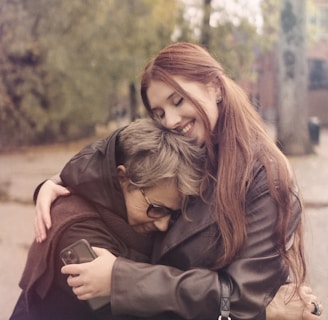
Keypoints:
pixel 91 279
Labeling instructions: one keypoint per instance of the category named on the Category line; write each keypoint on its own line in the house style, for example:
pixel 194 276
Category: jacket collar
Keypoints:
pixel 200 216
pixel 92 174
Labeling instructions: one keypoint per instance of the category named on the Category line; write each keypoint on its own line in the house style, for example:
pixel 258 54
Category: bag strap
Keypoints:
pixel 225 297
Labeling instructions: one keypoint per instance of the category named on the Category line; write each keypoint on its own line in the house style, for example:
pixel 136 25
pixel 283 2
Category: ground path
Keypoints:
pixel 21 171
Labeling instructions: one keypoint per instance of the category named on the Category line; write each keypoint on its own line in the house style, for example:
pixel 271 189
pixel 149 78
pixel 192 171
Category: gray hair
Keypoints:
pixel 152 154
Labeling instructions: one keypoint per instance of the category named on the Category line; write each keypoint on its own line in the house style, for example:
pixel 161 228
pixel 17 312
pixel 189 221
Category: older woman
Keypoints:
pixel 140 184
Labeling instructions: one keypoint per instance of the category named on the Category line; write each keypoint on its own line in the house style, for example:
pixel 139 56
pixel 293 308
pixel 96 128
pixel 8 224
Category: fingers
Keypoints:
pixel 305 290
pixel 60 191
pixel 313 309
pixel 39 230
pixel 308 312
pixel 47 194
pixel 93 278
pixel 42 222
pixel 72 269
pixel 80 286
pixel 316 308
pixel 101 251
pixel 74 281
pixel 81 295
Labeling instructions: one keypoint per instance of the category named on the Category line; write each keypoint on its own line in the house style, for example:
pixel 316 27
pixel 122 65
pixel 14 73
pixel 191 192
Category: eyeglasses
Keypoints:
pixel 156 211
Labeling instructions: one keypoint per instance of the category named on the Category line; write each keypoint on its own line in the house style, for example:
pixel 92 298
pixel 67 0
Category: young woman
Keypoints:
pixel 247 225
pixel 143 177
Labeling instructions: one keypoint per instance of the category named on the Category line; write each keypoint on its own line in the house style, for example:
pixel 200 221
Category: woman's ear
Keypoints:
pixel 121 172
pixel 218 94
pixel 214 89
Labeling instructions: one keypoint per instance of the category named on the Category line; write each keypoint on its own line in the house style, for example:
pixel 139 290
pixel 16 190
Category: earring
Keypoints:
pixel 219 99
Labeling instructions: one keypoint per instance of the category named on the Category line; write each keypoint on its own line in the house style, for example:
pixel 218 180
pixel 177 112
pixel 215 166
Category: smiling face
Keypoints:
pixel 175 112
pixel 166 194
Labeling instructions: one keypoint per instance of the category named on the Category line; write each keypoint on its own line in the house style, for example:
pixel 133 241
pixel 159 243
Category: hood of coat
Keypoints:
pixel 92 174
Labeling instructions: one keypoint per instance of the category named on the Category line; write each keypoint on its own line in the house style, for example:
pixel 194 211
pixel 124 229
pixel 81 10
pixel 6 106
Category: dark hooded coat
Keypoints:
pixel 103 222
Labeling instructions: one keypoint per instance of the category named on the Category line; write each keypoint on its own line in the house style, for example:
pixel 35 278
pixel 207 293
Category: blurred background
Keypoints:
pixel 70 71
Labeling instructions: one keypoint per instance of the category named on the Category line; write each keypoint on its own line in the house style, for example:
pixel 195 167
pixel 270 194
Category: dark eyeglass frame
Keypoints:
pixel 162 211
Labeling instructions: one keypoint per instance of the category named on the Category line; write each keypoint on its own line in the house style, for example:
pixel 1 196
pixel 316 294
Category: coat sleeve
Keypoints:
pixel 144 290
pixel 256 275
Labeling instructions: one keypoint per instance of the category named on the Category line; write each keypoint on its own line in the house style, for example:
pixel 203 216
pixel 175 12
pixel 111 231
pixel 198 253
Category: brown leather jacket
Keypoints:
pixel 180 281
pixel 180 284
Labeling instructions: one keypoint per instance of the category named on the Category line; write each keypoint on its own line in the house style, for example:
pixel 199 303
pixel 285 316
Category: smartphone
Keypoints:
pixel 81 252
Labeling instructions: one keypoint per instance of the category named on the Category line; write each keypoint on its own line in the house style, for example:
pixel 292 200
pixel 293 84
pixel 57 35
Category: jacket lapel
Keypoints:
pixel 199 218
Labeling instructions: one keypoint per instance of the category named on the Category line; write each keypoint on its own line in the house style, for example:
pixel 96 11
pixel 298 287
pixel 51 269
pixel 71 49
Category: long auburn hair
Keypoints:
pixel 236 143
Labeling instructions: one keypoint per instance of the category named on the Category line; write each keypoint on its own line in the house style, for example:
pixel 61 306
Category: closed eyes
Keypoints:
pixel 177 102
pixel 159 113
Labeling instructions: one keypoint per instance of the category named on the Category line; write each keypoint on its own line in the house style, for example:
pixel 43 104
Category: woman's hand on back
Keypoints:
pixel 48 193
pixel 287 305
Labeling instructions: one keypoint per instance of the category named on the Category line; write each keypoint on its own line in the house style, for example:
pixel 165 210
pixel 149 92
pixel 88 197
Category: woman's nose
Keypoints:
pixel 172 118
pixel 162 224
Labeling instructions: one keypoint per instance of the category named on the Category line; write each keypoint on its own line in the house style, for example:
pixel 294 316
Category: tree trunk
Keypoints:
pixel 292 130
pixel 206 32
pixel 133 101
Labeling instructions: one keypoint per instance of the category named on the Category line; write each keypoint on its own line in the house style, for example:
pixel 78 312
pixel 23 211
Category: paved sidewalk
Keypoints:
pixel 21 173
pixel 312 174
